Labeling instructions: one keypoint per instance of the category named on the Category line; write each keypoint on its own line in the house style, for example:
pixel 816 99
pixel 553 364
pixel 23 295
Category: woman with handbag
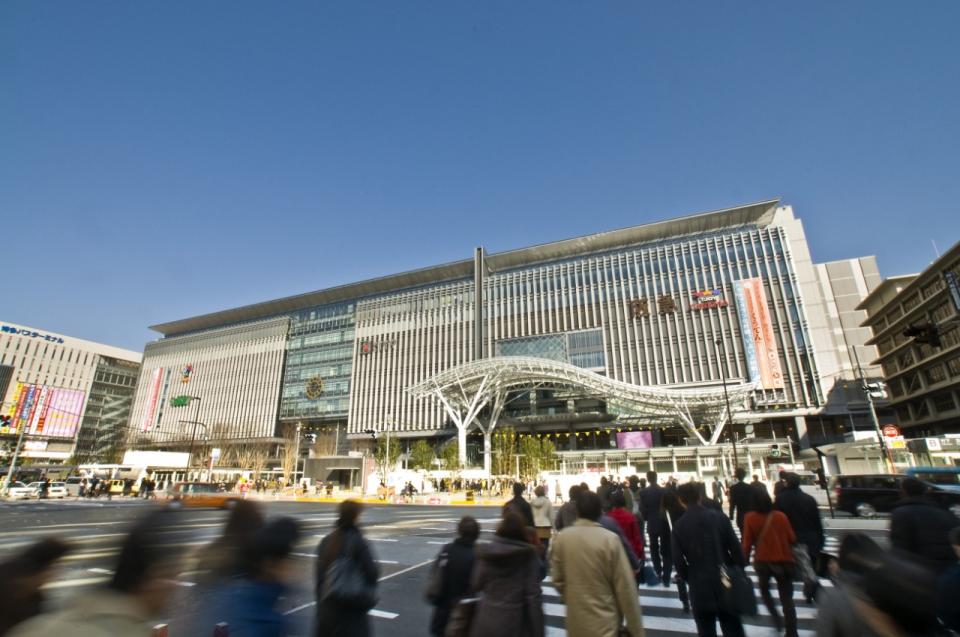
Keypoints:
pixel 542 515
pixel 770 532
pixel 346 578
pixel 506 577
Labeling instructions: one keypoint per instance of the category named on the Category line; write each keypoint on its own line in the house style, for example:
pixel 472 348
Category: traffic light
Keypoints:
pixel 876 390
pixel 5 421
pixel 924 333
pixel 775 451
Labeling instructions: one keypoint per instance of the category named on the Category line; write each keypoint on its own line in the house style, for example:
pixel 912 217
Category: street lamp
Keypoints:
pixel 16 456
pixel 720 345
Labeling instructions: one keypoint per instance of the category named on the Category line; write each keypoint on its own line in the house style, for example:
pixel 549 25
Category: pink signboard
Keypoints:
pixel 635 440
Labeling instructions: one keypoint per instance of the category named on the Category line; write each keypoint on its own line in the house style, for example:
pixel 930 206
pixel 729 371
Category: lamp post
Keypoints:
pixel 16 455
pixel 720 345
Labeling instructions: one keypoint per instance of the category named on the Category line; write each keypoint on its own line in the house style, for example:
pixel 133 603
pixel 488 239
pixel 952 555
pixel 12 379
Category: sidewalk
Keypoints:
pixel 435 499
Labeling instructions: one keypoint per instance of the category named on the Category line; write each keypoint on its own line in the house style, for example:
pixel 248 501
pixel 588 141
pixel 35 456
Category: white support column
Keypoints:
pixel 673 456
pixel 718 428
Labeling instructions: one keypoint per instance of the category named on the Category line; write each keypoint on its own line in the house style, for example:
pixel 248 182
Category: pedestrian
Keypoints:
pixel 804 515
pixel 567 514
pixel 542 515
pixel 452 572
pixel 604 492
pixel 770 531
pixel 224 557
pixel 519 504
pixel 651 507
pixel 627 523
pixel 507 575
pixel 594 578
pixel 139 590
pixel 918 527
pixel 779 484
pixel 345 546
pixel 950 587
pixel 248 604
pixel 703 540
pixel 717 490
pixel 739 496
pixel 672 510
pixel 83 488
pixel 24 577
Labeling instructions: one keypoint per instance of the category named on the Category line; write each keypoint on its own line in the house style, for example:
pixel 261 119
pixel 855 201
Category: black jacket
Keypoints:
pixel 455 563
pixel 651 503
pixel 804 515
pixel 696 536
pixel 920 527
pixel 334 620
pixel 521 506
pixel 740 496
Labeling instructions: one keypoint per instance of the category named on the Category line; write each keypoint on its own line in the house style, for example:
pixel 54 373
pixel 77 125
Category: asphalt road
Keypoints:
pixel 404 538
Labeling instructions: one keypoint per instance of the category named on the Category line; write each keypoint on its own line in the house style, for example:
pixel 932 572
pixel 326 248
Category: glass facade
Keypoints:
pixel 319 346
pixel 104 426
pixel 583 349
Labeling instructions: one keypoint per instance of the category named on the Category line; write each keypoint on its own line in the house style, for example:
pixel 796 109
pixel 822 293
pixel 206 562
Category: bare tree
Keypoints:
pixel 289 432
pixel 326 444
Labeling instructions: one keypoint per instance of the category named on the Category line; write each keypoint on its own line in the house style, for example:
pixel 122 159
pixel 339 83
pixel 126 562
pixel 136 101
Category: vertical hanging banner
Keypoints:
pixel 152 398
pixel 760 346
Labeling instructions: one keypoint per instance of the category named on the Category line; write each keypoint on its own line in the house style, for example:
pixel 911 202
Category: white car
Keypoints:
pixel 20 491
pixel 57 490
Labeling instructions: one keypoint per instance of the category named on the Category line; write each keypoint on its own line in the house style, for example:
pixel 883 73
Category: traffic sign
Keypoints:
pixel 180 401
pixel 891 431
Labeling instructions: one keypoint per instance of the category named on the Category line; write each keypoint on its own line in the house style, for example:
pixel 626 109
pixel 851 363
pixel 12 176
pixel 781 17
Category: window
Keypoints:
pixel 943 402
pixel 935 374
pixel 953 366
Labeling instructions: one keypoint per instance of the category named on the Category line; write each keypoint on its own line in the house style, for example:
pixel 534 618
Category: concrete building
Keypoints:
pixel 923 379
pixel 58 388
pixel 645 305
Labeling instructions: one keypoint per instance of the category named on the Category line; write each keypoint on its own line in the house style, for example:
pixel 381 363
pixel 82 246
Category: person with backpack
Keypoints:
pixel 341 610
pixel 804 515
pixel 452 570
pixel 770 532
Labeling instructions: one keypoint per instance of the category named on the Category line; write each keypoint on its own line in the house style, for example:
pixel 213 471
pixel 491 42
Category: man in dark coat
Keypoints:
pixel 454 569
pixel 603 491
pixel 920 528
pixel 740 496
pixel 567 514
pixel 804 515
pixel 651 507
pixel 695 538
pixel 519 504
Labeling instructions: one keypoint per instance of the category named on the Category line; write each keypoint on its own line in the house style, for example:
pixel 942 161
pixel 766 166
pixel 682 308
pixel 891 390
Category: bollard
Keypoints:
pixel 160 630
pixel 221 630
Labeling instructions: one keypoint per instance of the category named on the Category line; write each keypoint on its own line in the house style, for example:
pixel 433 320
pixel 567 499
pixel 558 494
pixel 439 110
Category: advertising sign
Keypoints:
pixel 47 411
pixel 706 299
pixel 635 440
pixel 154 394
pixel 933 444
pixel 760 346
pixel 890 431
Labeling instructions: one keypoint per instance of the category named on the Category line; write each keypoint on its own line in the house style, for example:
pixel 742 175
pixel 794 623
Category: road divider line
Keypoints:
pixel 406 570
pixel 383 614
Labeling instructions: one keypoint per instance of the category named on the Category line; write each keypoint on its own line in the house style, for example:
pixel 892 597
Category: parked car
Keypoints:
pixel 868 495
pixel 21 491
pixel 57 490
pixel 73 485
pixel 200 494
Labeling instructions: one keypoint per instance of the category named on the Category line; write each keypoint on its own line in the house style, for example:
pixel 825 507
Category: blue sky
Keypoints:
pixel 160 160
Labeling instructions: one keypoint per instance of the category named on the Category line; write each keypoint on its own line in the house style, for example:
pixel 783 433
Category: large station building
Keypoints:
pixel 670 308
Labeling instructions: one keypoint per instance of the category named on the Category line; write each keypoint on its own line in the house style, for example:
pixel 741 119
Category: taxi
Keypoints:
pixel 200 494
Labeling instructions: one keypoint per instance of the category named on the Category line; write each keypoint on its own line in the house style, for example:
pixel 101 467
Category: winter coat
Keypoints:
pixel 739 497
pixel 594 580
pixel 334 620
pixel 542 511
pixel 611 525
pixel 566 516
pixel 804 515
pixel 519 505
pixel 506 575
pixel 103 613
pixel 694 549
pixel 776 543
pixel 949 591
pixel 631 529
pixel 920 527
pixel 651 501
pixel 455 562
pixel 249 608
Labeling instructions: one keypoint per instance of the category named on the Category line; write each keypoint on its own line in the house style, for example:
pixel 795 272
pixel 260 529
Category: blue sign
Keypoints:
pixel 749 347
pixel 9 329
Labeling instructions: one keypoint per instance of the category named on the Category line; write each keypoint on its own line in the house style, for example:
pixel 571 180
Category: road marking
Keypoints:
pixel 70 583
pixel 436 543
pixel 102 571
pixel 381 539
pixel 406 570
pixel 304 554
pixel 382 613
pixel 387 562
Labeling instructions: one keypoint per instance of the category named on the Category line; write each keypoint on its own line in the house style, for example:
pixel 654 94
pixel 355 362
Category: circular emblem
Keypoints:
pixel 314 388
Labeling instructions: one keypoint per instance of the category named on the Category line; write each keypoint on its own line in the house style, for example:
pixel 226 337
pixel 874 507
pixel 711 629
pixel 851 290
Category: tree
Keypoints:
pixel 504 448
pixel 291 434
pixel 386 454
pixel 537 455
pixel 326 444
pixel 421 455
pixel 451 456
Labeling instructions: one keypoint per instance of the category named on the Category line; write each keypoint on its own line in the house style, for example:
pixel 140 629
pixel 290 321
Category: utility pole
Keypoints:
pixel 887 454
pixel 726 398
pixel 16 455
pixel 296 457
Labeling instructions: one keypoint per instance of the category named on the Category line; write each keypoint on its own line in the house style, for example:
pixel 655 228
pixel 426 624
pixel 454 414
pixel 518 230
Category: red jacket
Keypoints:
pixel 775 546
pixel 628 523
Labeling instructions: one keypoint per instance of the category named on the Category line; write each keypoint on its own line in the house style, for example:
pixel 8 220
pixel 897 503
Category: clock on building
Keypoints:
pixel 314 388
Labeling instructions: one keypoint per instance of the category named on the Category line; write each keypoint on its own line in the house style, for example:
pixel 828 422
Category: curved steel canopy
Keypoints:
pixel 465 390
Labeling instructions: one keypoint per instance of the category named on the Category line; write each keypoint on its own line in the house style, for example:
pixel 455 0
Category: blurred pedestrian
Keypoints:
pixel 804 515
pixel 604 492
pixel 593 576
pixel 950 587
pixel 248 604
pixel 920 528
pixel 770 531
pixel 139 590
pixel 703 540
pixel 717 487
pixel 23 579
pixel 224 557
pixel 507 576
pixel 739 496
pixel 567 514
pixel 343 552
pixel 519 505
pixel 672 510
pixel 651 507
pixel 452 571
pixel 627 522
pixel 542 515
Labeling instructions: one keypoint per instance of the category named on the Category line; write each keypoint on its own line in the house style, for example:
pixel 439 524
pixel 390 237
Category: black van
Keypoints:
pixel 868 495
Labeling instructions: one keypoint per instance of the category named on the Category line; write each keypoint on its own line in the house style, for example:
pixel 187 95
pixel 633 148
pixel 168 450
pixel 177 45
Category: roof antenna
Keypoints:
pixel 936 250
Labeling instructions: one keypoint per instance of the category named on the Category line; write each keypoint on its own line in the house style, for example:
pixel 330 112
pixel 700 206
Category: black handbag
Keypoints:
pixel 345 584
pixel 736 589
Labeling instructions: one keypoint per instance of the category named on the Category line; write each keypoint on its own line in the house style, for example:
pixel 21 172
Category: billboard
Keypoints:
pixel 150 413
pixel 759 343
pixel 635 440
pixel 45 411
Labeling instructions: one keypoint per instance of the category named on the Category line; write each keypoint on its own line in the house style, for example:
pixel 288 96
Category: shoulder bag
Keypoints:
pixel 736 589
pixel 345 583
pixel 461 617
pixel 437 575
